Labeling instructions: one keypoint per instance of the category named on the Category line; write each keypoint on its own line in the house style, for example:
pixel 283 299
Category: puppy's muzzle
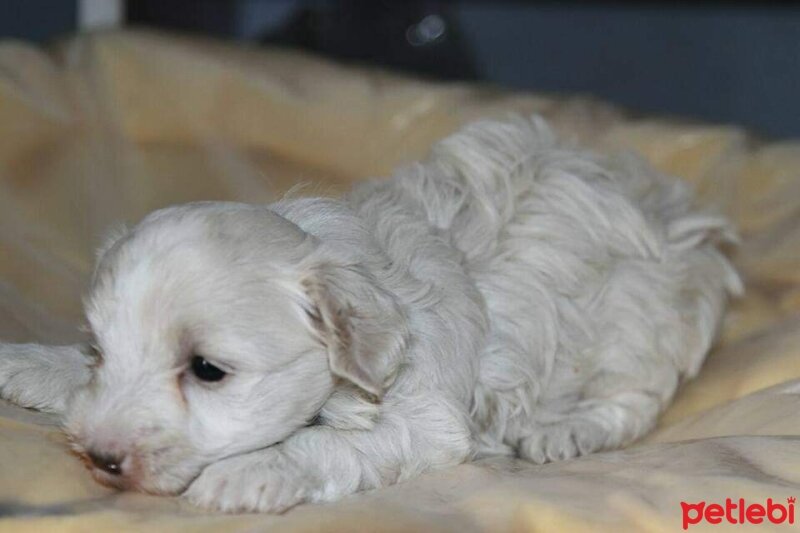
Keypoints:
pixel 110 464
pixel 112 469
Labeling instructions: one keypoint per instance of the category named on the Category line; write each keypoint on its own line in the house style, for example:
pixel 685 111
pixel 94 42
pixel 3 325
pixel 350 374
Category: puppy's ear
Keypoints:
pixel 360 324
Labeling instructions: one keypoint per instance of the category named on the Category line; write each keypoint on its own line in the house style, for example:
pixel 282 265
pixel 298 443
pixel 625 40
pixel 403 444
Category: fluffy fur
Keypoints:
pixel 508 295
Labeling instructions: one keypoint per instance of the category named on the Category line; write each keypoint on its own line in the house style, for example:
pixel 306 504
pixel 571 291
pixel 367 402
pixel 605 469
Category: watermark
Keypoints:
pixel 738 512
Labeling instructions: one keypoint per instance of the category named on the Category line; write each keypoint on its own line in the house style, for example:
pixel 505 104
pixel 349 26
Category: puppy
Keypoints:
pixel 510 295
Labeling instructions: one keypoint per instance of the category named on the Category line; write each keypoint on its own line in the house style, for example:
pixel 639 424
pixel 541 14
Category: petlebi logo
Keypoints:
pixel 738 512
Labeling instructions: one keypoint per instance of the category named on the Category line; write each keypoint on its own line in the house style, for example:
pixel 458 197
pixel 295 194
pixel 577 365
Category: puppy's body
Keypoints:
pixel 507 295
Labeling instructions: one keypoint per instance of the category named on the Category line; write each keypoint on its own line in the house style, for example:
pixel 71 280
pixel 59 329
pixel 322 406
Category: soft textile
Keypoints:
pixel 102 129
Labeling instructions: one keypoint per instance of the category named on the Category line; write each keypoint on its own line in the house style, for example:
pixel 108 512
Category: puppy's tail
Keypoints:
pixel 710 277
pixel 693 239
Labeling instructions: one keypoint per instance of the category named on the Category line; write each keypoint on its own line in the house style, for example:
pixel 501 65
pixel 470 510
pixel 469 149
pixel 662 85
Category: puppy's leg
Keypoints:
pixel 656 328
pixel 592 427
pixel 320 463
pixel 42 377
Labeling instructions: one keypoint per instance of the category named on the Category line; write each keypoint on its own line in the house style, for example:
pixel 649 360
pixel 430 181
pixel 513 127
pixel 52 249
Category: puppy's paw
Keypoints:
pixel 561 441
pixel 265 481
pixel 42 377
pixel 21 378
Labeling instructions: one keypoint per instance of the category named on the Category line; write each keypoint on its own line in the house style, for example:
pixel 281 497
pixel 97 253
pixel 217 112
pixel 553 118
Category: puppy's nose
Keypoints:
pixel 111 464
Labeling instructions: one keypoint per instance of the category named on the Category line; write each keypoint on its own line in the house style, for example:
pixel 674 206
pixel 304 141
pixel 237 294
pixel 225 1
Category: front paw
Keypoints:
pixel 265 481
pixel 42 377
pixel 21 378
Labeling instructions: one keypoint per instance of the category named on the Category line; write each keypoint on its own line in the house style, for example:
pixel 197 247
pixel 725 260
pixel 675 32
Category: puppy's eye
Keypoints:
pixel 205 371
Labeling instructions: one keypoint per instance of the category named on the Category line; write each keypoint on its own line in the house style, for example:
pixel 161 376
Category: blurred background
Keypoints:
pixel 728 63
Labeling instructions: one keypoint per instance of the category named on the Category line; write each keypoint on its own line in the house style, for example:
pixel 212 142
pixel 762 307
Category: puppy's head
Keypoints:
pixel 220 329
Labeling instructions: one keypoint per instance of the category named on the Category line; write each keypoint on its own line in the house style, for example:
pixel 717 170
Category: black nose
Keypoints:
pixel 110 464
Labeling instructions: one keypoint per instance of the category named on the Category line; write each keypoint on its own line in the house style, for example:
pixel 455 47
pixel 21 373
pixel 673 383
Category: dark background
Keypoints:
pixel 730 63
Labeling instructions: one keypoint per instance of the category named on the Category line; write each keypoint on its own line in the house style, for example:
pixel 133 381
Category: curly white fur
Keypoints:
pixel 508 295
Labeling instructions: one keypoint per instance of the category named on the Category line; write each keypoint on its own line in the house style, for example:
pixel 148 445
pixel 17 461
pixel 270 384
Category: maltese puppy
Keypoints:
pixel 510 295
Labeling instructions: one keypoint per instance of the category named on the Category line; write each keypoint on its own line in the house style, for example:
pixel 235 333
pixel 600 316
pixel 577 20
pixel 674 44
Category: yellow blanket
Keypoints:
pixel 108 127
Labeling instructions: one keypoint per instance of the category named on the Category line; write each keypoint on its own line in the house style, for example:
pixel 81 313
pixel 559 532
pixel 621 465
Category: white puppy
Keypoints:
pixel 508 295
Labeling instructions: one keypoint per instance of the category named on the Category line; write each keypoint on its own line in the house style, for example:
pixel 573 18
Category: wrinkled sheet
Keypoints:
pixel 102 129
